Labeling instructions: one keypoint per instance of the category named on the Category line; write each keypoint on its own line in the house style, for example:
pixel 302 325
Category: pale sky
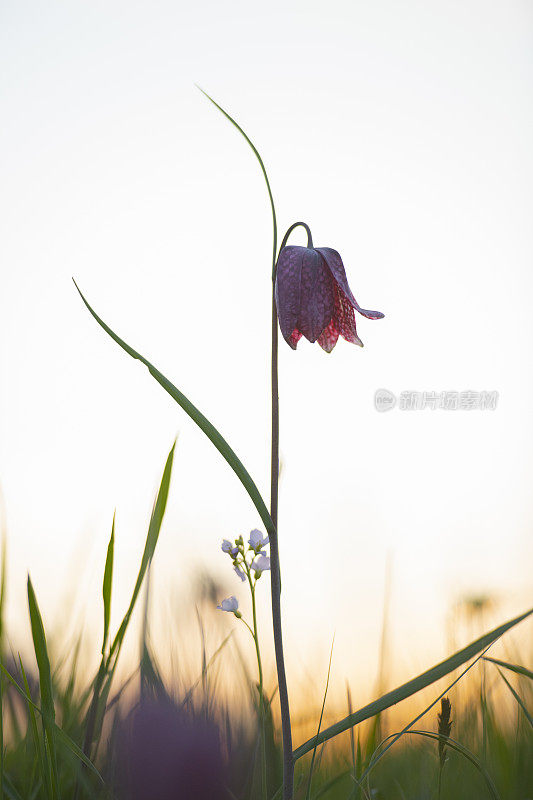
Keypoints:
pixel 401 133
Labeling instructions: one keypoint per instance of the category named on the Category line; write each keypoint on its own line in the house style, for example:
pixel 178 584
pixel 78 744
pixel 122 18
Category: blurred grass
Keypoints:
pixel 500 742
pixel 56 725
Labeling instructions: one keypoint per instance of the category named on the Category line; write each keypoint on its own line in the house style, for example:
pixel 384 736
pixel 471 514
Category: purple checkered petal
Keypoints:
pixel 345 318
pixel 317 301
pixel 328 338
pixel 287 292
pixel 334 262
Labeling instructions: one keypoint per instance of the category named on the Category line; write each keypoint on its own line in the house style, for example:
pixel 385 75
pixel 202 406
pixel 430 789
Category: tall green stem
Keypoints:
pixel 275 579
pixel 255 636
pixel 288 761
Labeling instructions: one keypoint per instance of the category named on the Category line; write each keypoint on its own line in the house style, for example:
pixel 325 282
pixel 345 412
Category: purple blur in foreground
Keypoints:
pixel 313 298
pixel 163 754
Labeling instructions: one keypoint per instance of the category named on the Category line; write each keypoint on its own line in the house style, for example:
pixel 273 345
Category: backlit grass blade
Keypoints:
pixel 104 678
pixel 92 713
pixel 107 584
pixel 45 682
pixel 35 732
pixel 158 512
pixel 310 776
pixel 518 699
pixel 379 751
pixel 9 790
pixel 203 423
pixel 465 752
pixel 411 687
pixel 260 160
pixel 520 670
pixel 62 737
pixel 41 654
pixel 211 661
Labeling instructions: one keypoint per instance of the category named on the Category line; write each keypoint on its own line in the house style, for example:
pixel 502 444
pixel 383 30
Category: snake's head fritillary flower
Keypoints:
pixel 313 298
pixel 256 540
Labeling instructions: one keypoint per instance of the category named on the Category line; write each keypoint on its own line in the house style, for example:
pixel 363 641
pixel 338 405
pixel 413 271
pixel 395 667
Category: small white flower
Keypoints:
pixel 229 547
pixel 229 604
pixel 240 573
pixel 256 540
pixel 260 564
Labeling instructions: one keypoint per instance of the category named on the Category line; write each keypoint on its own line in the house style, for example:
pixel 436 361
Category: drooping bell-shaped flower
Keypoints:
pixel 313 298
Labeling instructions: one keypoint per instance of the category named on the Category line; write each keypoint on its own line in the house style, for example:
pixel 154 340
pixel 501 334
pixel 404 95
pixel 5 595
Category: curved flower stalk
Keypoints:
pixel 230 604
pixel 275 574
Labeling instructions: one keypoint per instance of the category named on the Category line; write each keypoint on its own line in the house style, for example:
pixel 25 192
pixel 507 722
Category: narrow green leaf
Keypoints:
pixel 518 699
pixel 154 527
pixel 45 681
pixel 395 737
pixel 10 791
pixel 411 687
pixel 41 654
pixel 107 584
pixel 102 684
pixel 207 666
pixel 465 752
pixel 513 667
pixel 310 776
pixel 35 734
pixel 260 160
pixel 71 745
pixel 92 714
pixel 94 711
pixel 60 733
pixel 203 423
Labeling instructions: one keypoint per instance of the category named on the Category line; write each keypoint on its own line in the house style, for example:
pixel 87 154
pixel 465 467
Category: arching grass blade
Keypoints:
pixel 513 667
pixel 203 423
pixel 518 699
pixel 465 752
pixel 411 687
pixel 62 737
pixel 310 776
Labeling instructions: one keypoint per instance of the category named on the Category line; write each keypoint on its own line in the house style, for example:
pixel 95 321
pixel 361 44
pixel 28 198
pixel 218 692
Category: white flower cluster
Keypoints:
pixel 248 562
